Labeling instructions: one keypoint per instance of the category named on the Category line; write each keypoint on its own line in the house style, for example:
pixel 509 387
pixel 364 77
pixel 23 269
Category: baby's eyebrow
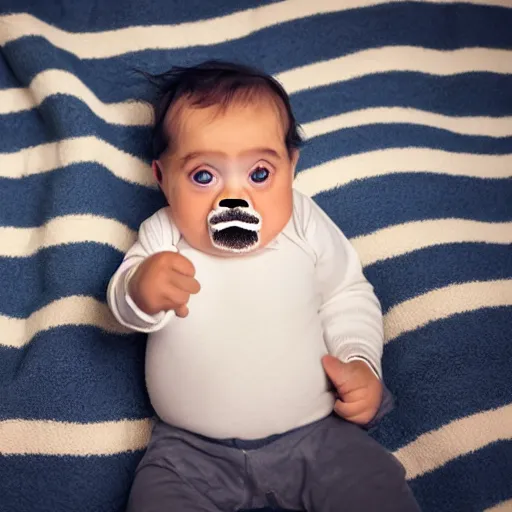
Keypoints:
pixel 197 154
pixel 259 151
pixel 219 154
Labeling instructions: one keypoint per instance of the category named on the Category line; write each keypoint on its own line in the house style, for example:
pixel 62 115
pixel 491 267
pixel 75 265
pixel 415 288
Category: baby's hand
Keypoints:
pixel 164 282
pixel 359 390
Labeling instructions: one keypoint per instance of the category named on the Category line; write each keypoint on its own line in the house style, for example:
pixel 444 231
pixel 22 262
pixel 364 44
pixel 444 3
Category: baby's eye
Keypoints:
pixel 260 175
pixel 203 177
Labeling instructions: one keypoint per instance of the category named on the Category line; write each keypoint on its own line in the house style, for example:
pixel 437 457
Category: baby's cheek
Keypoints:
pixel 273 222
pixel 196 234
pixel 189 216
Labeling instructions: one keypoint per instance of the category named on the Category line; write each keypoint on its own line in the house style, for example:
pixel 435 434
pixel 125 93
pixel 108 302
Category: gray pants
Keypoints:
pixel 330 465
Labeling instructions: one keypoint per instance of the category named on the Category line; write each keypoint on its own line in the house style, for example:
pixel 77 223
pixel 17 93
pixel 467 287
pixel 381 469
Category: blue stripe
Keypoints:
pixel 61 117
pixel 471 94
pixel 65 116
pixel 401 278
pixel 474 482
pixel 395 280
pixel 8 78
pixel 85 17
pixel 86 188
pixel 365 206
pixel 446 370
pixel 82 374
pixel 56 272
pixel 360 139
pixel 58 484
pixel 358 208
pixel 300 42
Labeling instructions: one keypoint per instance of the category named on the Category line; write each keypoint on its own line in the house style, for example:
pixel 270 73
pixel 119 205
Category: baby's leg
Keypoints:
pixel 157 489
pixel 347 470
pixel 181 472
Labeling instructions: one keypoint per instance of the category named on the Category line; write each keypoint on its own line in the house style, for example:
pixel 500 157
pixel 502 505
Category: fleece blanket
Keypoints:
pixel 407 107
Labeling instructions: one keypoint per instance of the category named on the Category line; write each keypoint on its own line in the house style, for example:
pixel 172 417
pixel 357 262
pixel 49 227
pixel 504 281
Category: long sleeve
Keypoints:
pixel 155 235
pixel 350 311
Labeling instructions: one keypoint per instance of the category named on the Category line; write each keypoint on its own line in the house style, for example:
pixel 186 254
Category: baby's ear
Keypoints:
pixel 157 171
pixel 294 158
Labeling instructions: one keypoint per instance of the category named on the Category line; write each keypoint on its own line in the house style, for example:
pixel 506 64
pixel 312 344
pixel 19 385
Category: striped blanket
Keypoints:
pixel 407 107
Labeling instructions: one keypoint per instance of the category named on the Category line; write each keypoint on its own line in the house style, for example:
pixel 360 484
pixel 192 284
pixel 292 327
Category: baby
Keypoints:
pixel 265 339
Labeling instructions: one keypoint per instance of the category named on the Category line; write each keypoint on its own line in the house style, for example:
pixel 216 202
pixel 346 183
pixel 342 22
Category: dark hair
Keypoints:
pixel 215 82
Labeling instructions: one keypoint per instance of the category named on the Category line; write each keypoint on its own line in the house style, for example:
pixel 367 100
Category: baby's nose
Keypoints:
pixel 234 203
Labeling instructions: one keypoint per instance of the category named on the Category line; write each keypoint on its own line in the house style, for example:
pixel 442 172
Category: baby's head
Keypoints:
pixel 225 146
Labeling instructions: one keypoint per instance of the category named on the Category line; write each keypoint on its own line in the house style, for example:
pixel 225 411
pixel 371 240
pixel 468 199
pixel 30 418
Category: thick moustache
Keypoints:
pixel 234 215
pixel 234 228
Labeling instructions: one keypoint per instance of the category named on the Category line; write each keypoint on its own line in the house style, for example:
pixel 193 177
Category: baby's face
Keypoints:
pixel 225 159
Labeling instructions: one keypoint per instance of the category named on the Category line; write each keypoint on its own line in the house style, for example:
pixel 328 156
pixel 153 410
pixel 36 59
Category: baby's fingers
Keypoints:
pixel 185 283
pixel 181 311
pixel 355 412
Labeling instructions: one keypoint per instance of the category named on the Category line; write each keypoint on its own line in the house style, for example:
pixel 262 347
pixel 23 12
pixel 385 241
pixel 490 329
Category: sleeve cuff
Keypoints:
pixel 360 358
pixel 360 350
pixel 148 319
pixel 143 322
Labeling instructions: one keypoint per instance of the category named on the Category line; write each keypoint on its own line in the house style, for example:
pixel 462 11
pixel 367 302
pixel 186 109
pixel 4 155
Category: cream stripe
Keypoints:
pixel 74 310
pixel 90 45
pixel 427 453
pixel 44 437
pixel 445 302
pixel 19 242
pixel 385 243
pixel 197 33
pixel 460 437
pixel 135 113
pixel 48 157
pixel 504 506
pixel 401 160
pixel 376 60
pixel 486 126
pixel 396 58
pixel 404 238
pixel 55 81
pixel 405 317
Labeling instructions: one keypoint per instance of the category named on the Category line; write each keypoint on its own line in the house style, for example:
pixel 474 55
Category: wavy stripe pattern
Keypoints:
pixel 381 245
pixel 445 302
pixel 25 437
pixel 70 229
pixel 383 60
pixel 55 82
pixel 454 440
pixel 488 126
pixel 17 332
pixel 342 69
pixel 405 238
pixel 312 181
pixel 407 111
pixel 54 155
pixel 404 160
pixel 207 32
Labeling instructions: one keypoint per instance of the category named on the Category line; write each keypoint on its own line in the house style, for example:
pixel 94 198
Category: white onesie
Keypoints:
pixel 246 362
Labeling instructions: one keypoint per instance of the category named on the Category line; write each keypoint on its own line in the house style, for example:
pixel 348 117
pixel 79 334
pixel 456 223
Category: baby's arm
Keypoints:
pixel 154 282
pixel 350 311
pixel 351 318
